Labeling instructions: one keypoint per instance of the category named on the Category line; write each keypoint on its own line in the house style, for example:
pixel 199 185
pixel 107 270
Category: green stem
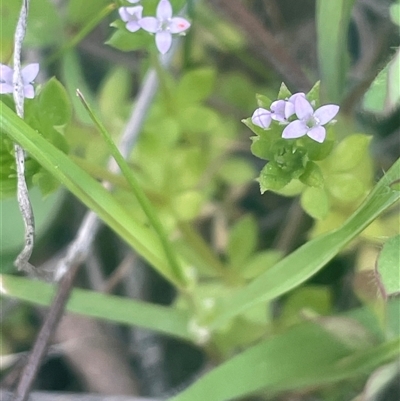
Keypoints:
pixel 140 195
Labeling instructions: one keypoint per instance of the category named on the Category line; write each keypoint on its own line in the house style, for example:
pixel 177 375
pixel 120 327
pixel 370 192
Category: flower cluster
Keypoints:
pixel 28 73
pixel 163 25
pixel 308 122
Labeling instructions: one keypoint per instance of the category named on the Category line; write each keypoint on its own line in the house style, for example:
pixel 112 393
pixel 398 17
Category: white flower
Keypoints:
pixel 164 25
pixel 309 122
pixel 131 15
pixel 28 73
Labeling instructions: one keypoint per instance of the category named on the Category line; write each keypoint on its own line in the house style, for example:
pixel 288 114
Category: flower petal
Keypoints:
pixel 132 26
pixel 149 24
pixel 29 73
pixel 262 118
pixel 278 110
pixel 317 133
pixel 6 74
pixel 163 41
pixel 289 109
pixel 303 108
pixel 178 25
pixel 5 88
pixel 123 13
pixel 133 1
pixel 164 10
pixel 326 113
pixel 134 12
pixel 295 129
pixel 29 92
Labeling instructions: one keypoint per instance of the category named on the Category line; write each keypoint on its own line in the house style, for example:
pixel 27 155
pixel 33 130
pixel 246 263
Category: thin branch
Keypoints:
pixel 49 396
pixel 22 260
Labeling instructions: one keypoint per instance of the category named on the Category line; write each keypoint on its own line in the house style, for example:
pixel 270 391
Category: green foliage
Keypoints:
pixel 182 200
pixel 242 241
pixel 122 310
pixel 303 356
pixel 48 113
pixel 388 267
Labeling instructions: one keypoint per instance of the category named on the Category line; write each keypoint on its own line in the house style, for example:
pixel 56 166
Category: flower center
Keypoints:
pixel 165 24
pixel 312 122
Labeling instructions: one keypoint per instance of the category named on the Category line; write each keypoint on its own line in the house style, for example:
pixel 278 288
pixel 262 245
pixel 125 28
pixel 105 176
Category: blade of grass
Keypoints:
pixel 159 318
pixel 147 207
pixel 333 19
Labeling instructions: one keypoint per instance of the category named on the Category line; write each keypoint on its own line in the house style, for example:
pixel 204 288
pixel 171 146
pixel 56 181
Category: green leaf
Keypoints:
pixel 54 107
pixel 317 299
pixel 351 151
pixel 112 308
pixel 303 263
pixel 242 240
pixel 187 205
pixel 388 268
pixel 284 92
pixel 195 86
pixel 263 101
pixel 395 12
pixel 345 187
pixel 198 119
pixel 127 41
pixel 237 171
pixel 315 202
pixel 312 175
pixel 333 19
pixel 261 147
pixel 259 263
pixel 273 178
pixel 313 95
pixel 113 94
pixel 384 92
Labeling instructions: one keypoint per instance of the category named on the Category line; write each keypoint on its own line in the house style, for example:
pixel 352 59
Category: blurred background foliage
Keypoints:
pixel 194 161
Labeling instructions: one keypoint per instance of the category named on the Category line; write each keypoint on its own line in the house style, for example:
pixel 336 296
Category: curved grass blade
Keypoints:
pixel 87 190
pixel 159 318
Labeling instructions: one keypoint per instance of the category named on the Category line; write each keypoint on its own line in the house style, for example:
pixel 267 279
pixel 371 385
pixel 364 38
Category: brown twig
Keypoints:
pixel 42 342
pixel 262 42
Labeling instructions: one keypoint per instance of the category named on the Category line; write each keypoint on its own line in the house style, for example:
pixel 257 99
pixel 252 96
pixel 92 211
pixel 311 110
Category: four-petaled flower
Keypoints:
pixel 309 122
pixel 28 73
pixel 164 25
pixel 132 16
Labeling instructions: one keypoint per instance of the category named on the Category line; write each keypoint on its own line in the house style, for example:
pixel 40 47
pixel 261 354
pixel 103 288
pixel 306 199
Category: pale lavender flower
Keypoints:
pixel 164 25
pixel 278 110
pixel 262 118
pixel 310 122
pixel 28 73
pixel 132 16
